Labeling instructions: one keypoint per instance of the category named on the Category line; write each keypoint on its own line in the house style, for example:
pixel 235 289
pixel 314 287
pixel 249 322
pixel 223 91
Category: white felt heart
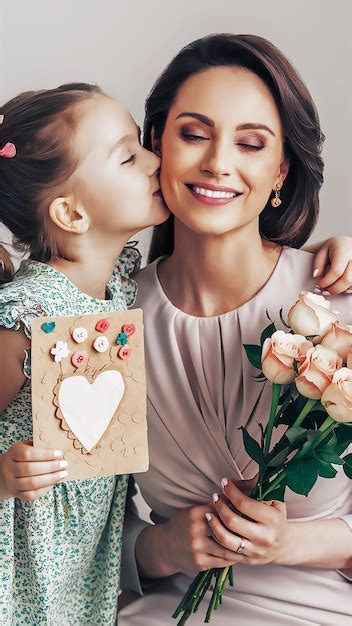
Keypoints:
pixel 88 408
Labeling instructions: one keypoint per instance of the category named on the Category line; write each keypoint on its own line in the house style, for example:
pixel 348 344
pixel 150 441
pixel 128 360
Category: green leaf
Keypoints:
pixel 328 455
pixel 278 493
pixel 302 475
pixel 347 468
pixel 253 448
pixel 326 470
pixel 279 458
pixel 296 435
pixel 344 437
pixel 254 354
pixel 267 332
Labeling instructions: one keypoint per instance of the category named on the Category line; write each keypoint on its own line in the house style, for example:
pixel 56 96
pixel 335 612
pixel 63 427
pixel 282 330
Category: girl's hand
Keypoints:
pixel 27 472
pixel 333 266
pixel 265 537
pixel 185 544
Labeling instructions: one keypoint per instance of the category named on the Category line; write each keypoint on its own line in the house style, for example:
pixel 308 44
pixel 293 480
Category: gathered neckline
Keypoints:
pixel 259 293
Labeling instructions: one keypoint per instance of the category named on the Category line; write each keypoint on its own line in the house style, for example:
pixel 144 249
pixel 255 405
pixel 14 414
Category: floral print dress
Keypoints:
pixel 59 555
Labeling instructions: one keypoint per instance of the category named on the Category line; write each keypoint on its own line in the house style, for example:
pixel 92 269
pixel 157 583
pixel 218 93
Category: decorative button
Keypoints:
pixel 124 353
pixel 101 344
pixel 129 329
pixel 121 339
pixel 60 351
pixel 79 334
pixel 80 358
pixel 48 327
pixel 102 326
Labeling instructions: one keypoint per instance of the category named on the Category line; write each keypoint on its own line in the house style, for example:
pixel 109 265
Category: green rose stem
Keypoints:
pixel 309 405
pixel 275 397
pixel 328 425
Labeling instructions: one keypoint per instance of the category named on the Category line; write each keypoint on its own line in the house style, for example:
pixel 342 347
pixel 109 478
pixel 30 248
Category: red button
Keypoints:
pixel 124 353
pixel 102 326
pixel 79 358
pixel 129 329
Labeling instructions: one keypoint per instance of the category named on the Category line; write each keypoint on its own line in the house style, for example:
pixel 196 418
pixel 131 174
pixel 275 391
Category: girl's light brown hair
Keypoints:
pixel 41 125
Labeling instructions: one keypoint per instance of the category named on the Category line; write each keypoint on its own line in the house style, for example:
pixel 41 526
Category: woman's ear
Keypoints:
pixel 156 143
pixel 282 173
pixel 69 216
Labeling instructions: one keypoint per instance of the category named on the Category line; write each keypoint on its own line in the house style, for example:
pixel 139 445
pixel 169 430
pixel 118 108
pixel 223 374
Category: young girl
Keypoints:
pixel 75 185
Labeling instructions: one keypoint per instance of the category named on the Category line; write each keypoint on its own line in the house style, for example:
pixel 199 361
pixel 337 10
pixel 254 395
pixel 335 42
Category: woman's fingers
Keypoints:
pixel 229 541
pixel 234 522
pixel 340 285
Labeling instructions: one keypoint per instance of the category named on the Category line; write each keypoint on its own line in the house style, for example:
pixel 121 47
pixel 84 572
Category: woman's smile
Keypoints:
pixel 212 194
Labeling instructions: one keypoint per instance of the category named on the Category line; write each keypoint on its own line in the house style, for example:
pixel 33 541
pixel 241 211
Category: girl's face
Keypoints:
pixel 222 151
pixel 116 180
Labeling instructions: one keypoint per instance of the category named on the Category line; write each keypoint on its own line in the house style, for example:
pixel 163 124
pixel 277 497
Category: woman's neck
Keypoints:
pixel 88 266
pixel 211 275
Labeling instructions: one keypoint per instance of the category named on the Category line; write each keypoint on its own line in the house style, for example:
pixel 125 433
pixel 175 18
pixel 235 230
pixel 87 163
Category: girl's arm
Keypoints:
pixel 333 264
pixel 25 472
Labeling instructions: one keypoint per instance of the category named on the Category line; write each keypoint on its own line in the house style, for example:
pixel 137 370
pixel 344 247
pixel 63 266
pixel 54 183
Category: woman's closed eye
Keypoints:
pixel 253 144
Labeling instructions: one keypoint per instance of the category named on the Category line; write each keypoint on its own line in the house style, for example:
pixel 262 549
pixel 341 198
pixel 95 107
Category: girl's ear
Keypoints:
pixel 156 143
pixel 69 216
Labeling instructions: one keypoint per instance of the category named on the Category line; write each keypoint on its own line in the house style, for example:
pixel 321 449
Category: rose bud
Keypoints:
pixel 278 354
pixel 337 398
pixel 311 316
pixel 316 372
pixel 339 338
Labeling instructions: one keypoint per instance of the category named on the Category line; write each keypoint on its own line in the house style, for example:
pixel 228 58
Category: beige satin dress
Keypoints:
pixel 200 391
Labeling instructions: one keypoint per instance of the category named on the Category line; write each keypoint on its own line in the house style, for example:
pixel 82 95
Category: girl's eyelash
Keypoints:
pixel 131 159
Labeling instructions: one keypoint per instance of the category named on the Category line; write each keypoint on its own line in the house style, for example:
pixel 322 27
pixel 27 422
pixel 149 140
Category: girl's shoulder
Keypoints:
pixel 25 297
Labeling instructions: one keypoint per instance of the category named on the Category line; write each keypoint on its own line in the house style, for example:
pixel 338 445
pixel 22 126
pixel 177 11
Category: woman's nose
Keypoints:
pixel 219 160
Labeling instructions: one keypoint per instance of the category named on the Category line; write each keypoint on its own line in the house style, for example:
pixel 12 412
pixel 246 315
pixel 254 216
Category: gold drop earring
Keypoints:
pixel 275 201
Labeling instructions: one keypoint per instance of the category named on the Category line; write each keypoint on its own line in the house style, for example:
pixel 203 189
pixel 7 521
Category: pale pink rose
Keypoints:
pixel 311 316
pixel 349 359
pixel 339 338
pixel 316 371
pixel 337 398
pixel 278 354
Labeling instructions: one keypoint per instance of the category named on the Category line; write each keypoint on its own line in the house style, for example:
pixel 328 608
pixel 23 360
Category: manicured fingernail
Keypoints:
pixel 269 502
pixel 63 464
pixel 316 272
pixel 208 517
pixel 62 474
pixel 58 454
pixel 326 293
pixel 224 482
pixel 215 497
pixel 348 291
pixel 317 290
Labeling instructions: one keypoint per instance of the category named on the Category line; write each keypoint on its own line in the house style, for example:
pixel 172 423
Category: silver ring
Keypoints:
pixel 241 548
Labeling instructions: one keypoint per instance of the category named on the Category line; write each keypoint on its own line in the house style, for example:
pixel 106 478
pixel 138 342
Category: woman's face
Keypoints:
pixel 222 151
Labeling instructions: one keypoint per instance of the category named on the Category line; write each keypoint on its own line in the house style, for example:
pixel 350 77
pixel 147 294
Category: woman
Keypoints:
pixel 236 129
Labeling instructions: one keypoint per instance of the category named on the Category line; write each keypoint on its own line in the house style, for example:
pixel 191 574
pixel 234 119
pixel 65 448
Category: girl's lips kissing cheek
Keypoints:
pixel 212 194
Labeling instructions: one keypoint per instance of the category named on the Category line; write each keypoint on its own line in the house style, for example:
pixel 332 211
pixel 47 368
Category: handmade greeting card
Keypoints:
pixel 89 391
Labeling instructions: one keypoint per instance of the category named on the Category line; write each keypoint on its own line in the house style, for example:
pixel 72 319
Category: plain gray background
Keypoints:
pixel 123 46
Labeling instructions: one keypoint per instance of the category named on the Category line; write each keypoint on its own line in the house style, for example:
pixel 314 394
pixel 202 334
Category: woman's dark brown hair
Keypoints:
pixel 41 125
pixel 303 139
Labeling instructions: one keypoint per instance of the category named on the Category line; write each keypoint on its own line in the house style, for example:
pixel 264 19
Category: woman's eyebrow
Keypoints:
pixel 253 126
pixel 198 116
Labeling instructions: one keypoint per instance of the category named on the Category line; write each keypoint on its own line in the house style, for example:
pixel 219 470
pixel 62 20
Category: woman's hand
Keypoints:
pixel 183 544
pixel 264 538
pixel 27 472
pixel 333 266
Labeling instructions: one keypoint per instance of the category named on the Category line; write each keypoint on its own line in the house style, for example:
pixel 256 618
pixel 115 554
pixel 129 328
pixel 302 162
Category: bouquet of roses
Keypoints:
pixel 310 368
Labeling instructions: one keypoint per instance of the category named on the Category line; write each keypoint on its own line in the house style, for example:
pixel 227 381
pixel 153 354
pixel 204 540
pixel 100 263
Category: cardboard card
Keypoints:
pixel 89 391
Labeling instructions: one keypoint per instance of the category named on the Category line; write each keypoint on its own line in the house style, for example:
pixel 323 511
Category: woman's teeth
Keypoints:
pixel 213 194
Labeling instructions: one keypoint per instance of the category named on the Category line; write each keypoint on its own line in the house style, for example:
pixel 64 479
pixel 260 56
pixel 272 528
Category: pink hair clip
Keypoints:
pixel 8 151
